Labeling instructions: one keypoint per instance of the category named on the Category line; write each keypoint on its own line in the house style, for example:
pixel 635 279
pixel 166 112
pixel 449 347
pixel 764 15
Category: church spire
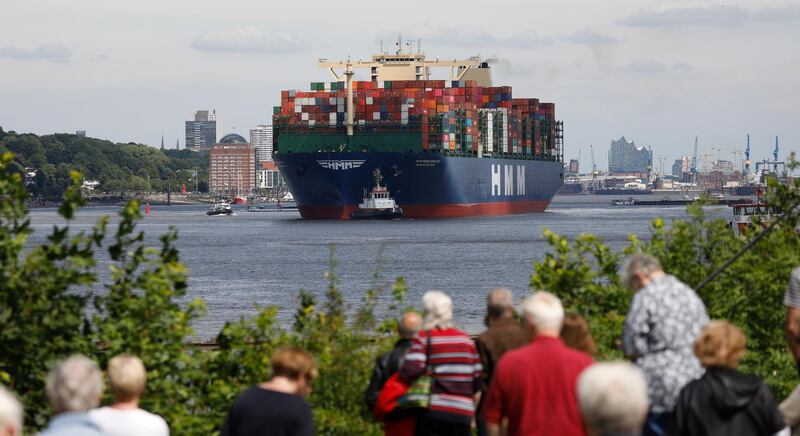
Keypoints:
pixel 177 144
pixel 162 141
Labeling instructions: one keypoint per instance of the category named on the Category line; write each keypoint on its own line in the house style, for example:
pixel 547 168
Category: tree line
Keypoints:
pixel 117 166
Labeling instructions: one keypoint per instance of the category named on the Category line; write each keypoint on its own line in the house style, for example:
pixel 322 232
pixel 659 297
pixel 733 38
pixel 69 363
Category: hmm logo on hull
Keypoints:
pixel 340 164
pixel 508 180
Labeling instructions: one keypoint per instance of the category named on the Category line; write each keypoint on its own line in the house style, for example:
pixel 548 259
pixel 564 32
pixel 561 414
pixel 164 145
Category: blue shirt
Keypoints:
pixel 72 424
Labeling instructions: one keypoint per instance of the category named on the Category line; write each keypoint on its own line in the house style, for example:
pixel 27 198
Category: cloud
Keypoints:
pixel 587 37
pixel 442 35
pixel 474 37
pixel 682 67
pixel 718 16
pixel 51 52
pixel 786 13
pixel 249 39
pixel 710 16
pixel 100 57
pixel 648 67
pixel 641 66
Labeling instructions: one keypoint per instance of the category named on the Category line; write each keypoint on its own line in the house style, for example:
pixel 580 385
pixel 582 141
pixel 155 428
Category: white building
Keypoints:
pixel 261 139
pixel 268 176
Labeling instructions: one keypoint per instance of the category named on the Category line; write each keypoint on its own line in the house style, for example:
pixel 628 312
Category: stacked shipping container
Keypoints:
pixel 449 115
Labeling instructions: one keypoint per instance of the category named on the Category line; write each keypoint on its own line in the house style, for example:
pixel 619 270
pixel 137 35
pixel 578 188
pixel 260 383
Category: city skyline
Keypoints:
pixel 657 72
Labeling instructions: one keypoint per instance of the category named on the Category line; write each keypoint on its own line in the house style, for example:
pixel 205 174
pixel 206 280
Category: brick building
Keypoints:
pixel 233 167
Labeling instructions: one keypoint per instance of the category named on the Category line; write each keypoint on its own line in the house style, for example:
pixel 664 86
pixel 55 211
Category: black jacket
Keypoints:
pixel 727 402
pixel 386 365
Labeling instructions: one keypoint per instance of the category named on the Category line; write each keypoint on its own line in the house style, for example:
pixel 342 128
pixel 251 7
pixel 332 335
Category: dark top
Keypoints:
pixel 727 402
pixel 504 334
pixel 258 411
pixel 386 365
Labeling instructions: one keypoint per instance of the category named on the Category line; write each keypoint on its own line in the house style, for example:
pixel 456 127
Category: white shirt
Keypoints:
pixel 129 422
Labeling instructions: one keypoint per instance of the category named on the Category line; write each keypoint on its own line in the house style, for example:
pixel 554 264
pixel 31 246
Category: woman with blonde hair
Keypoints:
pixel 725 401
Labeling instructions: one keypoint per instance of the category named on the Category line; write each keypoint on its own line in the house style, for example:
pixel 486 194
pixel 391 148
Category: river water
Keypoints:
pixel 256 259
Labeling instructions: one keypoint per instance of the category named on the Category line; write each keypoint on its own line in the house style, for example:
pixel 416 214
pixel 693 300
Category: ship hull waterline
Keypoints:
pixel 424 185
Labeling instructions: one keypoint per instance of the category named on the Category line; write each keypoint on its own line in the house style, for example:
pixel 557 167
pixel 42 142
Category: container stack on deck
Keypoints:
pixel 456 116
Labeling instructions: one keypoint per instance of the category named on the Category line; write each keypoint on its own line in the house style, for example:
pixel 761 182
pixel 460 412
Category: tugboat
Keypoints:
pixel 377 204
pixel 221 208
pixel 744 214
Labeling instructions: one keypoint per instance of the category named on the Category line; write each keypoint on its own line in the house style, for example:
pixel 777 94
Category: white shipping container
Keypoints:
pixel 304 116
pixel 369 100
pixel 376 115
pixel 298 108
pixel 332 101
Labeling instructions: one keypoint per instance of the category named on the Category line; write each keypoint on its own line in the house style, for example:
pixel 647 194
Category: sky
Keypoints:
pixel 659 72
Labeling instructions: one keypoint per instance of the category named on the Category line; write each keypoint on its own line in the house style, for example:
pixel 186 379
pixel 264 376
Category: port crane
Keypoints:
pixel 594 169
pixel 694 163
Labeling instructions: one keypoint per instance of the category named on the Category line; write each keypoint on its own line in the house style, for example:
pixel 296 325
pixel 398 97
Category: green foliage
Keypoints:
pixel 749 292
pixel 45 291
pixel 116 166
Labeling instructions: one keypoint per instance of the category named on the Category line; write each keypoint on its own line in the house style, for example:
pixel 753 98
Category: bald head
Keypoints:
pixel 409 325
pixel 500 303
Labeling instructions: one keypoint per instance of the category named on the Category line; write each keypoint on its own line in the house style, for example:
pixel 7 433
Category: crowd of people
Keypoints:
pixel 531 372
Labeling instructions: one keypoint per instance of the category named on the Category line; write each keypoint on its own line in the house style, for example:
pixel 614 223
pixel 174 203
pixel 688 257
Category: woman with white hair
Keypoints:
pixel 10 414
pixel 74 387
pixel 449 356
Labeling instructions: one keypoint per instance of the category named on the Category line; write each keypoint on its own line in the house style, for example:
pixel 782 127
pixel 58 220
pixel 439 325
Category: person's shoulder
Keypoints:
pixel 513 358
pixel 581 358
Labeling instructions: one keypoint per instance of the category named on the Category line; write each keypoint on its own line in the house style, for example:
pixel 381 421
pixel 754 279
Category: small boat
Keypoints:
pixel 743 214
pixel 220 209
pixel 377 204
pixel 239 200
pixel 630 201
pixel 278 207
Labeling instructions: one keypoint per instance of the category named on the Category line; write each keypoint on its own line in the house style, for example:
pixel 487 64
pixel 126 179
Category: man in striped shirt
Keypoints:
pixel 455 368
pixel 792 302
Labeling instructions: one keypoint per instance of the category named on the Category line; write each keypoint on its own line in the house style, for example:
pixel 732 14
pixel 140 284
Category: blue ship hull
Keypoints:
pixel 424 185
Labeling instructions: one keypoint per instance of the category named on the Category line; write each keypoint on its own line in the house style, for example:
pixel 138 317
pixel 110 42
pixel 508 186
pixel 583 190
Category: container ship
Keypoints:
pixel 445 148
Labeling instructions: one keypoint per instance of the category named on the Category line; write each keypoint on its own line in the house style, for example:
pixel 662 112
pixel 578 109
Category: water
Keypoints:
pixel 255 259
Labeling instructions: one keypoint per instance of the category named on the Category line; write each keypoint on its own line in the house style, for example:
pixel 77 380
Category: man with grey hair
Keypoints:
pixel 11 415
pixel 74 387
pixel 504 333
pixel 612 397
pixel 391 361
pixel 663 321
pixel 534 386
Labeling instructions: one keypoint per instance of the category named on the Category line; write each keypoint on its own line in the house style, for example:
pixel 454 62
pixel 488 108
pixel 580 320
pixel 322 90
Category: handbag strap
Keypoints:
pixel 428 366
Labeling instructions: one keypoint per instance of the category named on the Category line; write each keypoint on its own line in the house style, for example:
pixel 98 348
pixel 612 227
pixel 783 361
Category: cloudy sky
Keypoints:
pixel 659 72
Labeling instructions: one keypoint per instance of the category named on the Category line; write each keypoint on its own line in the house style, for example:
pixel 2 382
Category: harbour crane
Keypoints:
pixel 594 168
pixel 775 156
pixel 694 162
pixel 747 157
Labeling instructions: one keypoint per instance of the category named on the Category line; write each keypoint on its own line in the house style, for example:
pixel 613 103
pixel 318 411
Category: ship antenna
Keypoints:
pixel 399 43
pixel 419 46
pixel 382 47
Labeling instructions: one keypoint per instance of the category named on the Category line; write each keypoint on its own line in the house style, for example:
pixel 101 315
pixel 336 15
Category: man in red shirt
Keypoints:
pixel 535 386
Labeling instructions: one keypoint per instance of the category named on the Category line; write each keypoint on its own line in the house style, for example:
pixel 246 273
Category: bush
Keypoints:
pixel 749 293
pixel 45 291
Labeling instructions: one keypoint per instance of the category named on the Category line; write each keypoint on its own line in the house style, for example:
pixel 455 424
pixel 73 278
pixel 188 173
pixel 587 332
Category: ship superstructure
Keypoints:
pixel 446 148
